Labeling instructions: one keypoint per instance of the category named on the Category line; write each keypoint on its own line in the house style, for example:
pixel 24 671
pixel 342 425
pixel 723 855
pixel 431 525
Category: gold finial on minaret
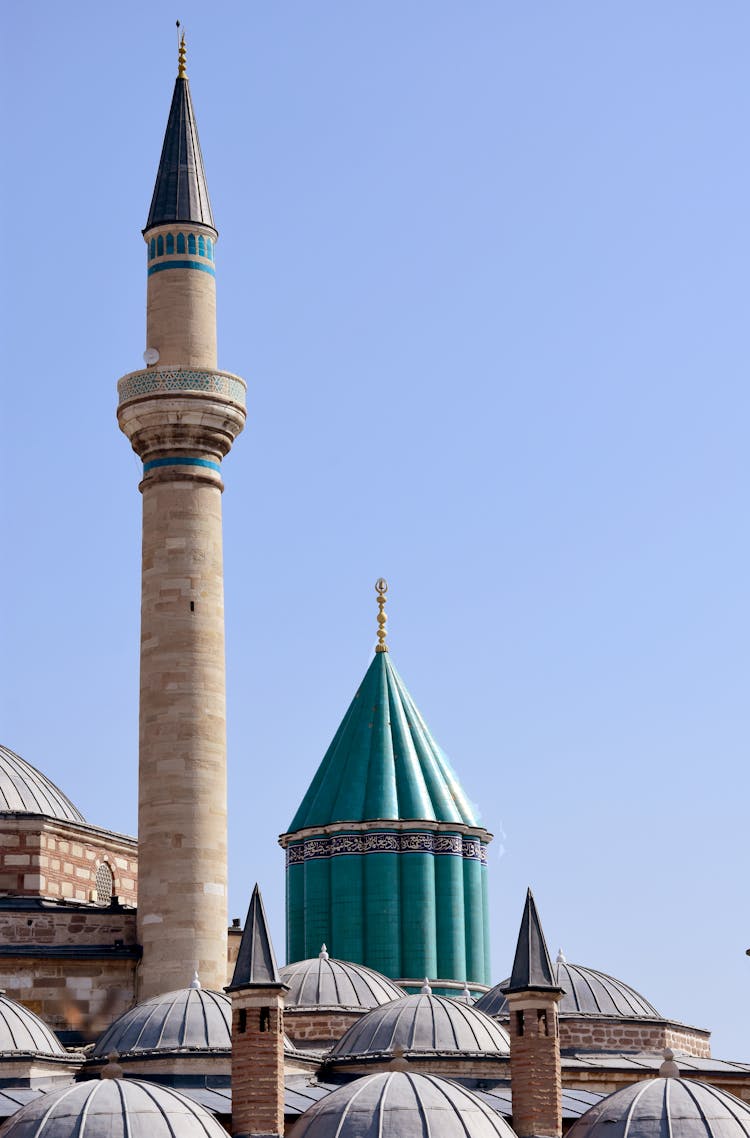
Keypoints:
pixel 181 55
pixel 381 588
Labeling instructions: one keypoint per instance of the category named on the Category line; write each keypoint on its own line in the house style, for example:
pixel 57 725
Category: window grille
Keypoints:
pixel 104 884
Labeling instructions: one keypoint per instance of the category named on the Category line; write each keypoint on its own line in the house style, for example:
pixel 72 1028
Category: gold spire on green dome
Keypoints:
pixel 381 588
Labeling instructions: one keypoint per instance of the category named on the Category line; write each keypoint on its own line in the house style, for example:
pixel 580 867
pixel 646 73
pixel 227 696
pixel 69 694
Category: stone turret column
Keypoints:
pixel 181 415
pixel 533 996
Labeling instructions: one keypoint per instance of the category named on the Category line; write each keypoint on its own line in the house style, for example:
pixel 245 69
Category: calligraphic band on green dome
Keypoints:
pixel 386 861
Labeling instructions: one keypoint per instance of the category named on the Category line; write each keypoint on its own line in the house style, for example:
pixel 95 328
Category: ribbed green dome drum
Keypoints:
pixel 386 861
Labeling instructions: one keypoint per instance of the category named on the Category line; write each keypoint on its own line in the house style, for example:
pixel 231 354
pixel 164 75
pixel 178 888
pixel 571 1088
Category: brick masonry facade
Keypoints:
pixel 44 857
pixel 258 1061
pixel 535 1064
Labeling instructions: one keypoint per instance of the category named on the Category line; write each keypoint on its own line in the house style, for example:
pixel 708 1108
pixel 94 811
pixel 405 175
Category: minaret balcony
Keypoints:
pixel 175 381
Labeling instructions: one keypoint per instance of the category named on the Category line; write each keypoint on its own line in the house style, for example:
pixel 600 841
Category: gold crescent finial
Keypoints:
pixel 181 57
pixel 381 588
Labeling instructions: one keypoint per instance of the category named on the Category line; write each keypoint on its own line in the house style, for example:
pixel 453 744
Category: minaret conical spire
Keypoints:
pixel 181 190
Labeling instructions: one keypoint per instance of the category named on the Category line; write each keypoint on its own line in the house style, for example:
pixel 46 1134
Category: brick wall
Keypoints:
pixel 42 857
pixel 308 1028
pixel 257 1061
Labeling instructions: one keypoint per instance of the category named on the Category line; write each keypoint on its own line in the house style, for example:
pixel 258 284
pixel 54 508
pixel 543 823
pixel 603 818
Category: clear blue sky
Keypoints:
pixel 485 269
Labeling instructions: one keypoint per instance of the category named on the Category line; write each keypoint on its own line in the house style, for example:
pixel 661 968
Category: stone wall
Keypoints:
pixel 317 1029
pixel 75 968
pixel 44 857
pixel 599 1033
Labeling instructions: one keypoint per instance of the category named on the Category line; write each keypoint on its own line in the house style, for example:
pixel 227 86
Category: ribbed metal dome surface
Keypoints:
pixel 324 983
pixel 113 1108
pixel 26 790
pixel 586 993
pixel 399 1104
pixel 190 1019
pixel 22 1031
pixel 666 1108
pixel 423 1023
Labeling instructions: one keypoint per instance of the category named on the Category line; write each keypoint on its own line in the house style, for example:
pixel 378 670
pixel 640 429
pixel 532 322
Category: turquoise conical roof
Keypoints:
pixel 383 763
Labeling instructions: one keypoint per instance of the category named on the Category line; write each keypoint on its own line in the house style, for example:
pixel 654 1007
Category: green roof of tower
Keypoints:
pixel 383 763
pixel 181 191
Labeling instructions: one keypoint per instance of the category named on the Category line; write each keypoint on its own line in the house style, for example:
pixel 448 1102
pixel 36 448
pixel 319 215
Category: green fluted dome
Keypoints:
pixel 383 763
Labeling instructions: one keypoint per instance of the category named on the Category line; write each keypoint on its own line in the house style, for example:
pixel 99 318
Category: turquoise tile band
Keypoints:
pixel 155 462
pixel 181 265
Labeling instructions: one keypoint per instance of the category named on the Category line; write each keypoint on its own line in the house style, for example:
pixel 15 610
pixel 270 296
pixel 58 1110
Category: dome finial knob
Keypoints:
pixel 560 957
pixel 323 954
pixel 398 1062
pixel 669 1069
pixel 426 989
pixel 195 982
pixel 381 588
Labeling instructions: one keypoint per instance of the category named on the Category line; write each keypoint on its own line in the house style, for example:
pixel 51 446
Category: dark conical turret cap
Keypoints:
pixel 256 963
pixel 532 967
pixel 181 192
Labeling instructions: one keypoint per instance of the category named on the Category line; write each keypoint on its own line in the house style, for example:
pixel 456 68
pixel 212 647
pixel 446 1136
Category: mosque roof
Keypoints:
pixel 401 1104
pixel 666 1108
pixel 383 763
pixel 22 1032
pixel 113 1108
pixel 422 1023
pixel 190 1019
pixel 25 790
pixel 585 992
pixel 181 191
pixel 325 983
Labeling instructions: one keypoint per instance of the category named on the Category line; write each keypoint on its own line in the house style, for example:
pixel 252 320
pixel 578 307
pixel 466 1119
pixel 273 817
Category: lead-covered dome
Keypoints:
pixel 399 1104
pixel 190 1019
pixel 325 983
pixel 23 1033
pixel 113 1108
pixel 25 790
pixel 586 992
pixel 666 1108
pixel 423 1023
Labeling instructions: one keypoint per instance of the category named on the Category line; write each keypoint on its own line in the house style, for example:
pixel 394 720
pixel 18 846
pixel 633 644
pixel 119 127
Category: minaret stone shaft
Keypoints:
pixel 181 415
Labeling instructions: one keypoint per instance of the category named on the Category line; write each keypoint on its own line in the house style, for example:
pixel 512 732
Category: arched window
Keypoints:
pixel 104 884
pixel 180 242
pixel 170 243
pixel 191 242
pixel 201 246
pixel 160 246
pixel 209 249
pixel 153 248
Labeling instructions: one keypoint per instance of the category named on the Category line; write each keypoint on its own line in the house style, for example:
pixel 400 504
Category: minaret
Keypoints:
pixel 533 996
pixel 181 415
pixel 386 859
pixel 257 1031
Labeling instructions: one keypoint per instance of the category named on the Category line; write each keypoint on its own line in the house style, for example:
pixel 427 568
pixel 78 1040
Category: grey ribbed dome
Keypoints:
pixel 113 1108
pixel 325 983
pixel 423 1023
pixel 25 790
pixel 190 1019
pixel 22 1031
pixel 399 1104
pixel 586 993
pixel 666 1108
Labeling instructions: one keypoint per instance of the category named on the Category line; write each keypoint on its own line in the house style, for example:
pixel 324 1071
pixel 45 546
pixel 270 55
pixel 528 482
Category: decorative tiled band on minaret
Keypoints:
pixel 181 415
pixel 533 996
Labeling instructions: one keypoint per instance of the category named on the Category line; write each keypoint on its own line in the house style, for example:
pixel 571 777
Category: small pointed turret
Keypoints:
pixel 532 967
pixel 533 996
pixel 257 994
pixel 256 962
pixel 181 191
